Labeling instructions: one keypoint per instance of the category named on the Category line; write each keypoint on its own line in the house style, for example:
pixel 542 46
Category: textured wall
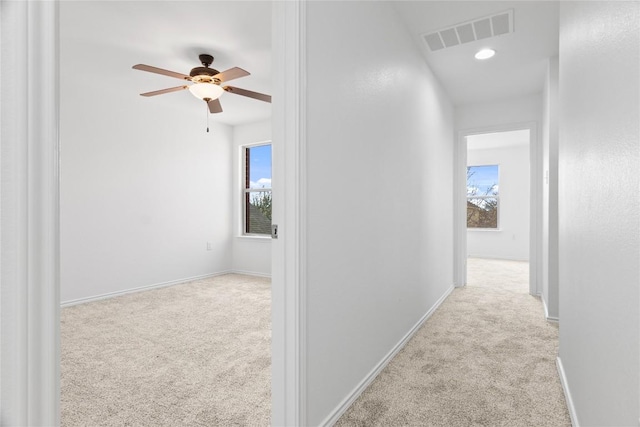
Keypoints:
pixel 599 216
pixel 507 112
pixel 380 205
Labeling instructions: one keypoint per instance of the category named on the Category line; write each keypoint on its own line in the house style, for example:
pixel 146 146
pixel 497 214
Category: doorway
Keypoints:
pixel 167 205
pixel 497 210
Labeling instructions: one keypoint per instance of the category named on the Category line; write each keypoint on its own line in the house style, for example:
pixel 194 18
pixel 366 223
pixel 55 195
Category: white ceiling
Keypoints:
pixel 515 138
pixel 518 68
pixel 106 38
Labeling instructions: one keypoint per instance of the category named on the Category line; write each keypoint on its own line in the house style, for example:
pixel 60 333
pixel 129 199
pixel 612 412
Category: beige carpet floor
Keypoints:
pixel 196 354
pixel 485 358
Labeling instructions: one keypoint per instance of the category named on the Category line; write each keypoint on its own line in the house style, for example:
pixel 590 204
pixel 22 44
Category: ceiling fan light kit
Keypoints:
pixel 206 91
pixel 205 83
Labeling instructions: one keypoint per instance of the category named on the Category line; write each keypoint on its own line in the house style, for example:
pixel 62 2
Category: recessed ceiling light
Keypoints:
pixel 485 54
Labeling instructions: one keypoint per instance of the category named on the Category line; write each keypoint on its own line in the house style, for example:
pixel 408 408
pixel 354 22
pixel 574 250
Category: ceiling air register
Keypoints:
pixel 466 32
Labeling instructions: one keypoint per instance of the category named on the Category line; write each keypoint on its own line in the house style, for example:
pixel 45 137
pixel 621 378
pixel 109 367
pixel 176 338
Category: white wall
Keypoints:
pixel 549 260
pixel 511 240
pixel 379 244
pixel 506 112
pixel 599 212
pixel 250 255
pixel 143 186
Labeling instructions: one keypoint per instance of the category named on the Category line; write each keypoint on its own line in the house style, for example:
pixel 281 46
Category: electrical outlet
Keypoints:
pixel 209 246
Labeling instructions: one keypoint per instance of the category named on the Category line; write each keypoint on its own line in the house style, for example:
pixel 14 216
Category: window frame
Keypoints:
pixel 497 197
pixel 246 190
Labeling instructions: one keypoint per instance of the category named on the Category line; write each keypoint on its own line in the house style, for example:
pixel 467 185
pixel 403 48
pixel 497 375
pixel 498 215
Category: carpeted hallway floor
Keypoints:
pixel 485 358
pixel 196 354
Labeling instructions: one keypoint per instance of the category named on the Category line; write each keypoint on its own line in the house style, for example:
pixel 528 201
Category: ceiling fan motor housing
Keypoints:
pixel 203 74
pixel 203 71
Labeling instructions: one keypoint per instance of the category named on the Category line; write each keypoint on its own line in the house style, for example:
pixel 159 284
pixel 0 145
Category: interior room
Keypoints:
pixel 160 247
pixel 147 278
pixel 498 206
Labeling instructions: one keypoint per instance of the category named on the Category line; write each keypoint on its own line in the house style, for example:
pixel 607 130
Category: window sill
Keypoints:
pixel 255 238
pixel 484 230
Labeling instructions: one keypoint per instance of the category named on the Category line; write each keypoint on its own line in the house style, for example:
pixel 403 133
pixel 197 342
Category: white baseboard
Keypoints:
pixel 250 273
pixel 497 257
pixel 139 289
pixel 567 393
pixel 546 312
pixel 351 397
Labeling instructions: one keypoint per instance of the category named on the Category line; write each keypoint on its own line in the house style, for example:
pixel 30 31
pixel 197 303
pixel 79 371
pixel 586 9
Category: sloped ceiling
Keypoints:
pixel 518 68
pixel 102 40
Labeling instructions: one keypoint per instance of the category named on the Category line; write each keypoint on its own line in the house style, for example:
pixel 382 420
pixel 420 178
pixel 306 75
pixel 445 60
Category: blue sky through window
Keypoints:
pixel 480 179
pixel 260 166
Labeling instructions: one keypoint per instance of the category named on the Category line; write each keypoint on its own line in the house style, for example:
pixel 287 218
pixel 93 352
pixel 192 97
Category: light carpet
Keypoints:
pixel 485 358
pixel 196 354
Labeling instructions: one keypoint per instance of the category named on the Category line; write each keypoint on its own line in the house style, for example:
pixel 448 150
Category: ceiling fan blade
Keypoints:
pixel 149 68
pixel 231 73
pixel 214 106
pixel 160 92
pixel 249 93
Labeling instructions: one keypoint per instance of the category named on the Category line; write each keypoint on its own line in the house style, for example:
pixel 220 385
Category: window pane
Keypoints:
pixel 482 212
pixel 482 180
pixel 258 212
pixel 259 164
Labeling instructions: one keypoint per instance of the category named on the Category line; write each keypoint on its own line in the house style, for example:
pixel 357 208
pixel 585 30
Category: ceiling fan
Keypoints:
pixel 206 83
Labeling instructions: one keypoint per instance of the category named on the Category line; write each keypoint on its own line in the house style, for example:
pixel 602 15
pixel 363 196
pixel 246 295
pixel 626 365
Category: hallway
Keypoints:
pixel 485 358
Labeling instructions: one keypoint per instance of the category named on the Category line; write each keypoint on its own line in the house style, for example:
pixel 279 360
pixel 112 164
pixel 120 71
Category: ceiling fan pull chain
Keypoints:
pixel 206 110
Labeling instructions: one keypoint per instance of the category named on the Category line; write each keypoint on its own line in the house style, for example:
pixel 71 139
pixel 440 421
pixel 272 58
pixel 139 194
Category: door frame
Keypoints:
pixel 29 223
pixel 288 269
pixel 535 202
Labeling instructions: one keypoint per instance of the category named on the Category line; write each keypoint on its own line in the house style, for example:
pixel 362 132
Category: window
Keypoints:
pixel 257 190
pixel 482 196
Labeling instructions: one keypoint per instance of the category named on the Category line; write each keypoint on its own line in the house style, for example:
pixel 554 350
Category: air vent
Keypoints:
pixel 466 32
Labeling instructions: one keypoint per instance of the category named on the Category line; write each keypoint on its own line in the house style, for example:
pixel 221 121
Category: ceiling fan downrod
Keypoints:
pixel 205 60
